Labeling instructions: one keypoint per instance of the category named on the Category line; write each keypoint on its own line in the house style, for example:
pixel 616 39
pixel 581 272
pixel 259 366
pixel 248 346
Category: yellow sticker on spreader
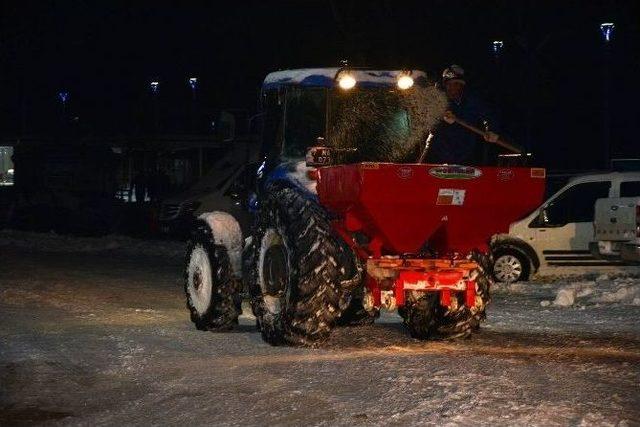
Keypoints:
pixel 369 165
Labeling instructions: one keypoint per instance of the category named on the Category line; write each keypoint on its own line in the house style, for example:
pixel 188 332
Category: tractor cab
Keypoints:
pixel 357 114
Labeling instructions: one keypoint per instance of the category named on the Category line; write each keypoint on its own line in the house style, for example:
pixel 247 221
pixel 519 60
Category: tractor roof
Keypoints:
pixel 326 77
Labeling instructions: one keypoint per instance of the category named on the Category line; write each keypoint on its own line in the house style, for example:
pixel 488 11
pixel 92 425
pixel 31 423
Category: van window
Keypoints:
pixel 630 189
pixel 576 204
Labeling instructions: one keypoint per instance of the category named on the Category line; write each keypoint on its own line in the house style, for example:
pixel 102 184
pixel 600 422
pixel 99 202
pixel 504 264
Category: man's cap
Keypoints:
pixel 453 72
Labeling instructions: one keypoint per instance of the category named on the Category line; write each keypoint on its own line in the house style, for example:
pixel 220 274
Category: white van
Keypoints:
pixel 615 223
pixel 558 233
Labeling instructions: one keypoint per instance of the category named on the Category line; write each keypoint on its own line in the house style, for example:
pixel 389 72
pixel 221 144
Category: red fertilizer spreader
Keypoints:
pixel 424 228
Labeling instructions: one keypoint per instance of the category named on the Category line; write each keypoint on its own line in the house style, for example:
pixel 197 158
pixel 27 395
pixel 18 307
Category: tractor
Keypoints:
pixel 349 220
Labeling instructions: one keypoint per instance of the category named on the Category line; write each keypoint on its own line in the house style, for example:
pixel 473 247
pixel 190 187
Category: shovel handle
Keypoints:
pixel 501 142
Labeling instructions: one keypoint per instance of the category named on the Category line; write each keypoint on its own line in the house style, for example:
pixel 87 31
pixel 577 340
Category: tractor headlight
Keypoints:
pixel 346 81
pixel 405 82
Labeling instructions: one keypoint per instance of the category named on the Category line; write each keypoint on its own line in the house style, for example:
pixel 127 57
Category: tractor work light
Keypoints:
pixel 346 81
pixel 405 81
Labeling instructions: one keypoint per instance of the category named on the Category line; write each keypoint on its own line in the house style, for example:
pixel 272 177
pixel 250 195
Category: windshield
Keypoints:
pixel 363 124
pixel 370 125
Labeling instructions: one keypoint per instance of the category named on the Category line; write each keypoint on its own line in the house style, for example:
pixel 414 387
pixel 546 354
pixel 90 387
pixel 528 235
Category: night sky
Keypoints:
pixel 105 53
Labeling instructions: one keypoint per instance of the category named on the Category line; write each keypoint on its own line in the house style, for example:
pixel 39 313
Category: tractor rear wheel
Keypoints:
pixel 301 275
pixel 460 321
pixel 420 314
pixel 357 315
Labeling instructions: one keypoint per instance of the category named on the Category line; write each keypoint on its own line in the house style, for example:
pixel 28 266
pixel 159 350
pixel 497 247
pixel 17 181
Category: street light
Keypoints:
pixel 64 97
pixel 155 85
pixel 607 30
pixel 497 46
pixel 193 82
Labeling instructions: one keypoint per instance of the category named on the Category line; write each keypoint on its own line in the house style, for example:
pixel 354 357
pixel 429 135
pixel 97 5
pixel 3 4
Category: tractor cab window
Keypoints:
pixel 575 204
pixel 374 124
pixel 305 119
pixel 272 123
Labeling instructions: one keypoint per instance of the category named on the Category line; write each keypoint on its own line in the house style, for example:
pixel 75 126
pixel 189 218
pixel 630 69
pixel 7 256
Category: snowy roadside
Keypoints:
pixel 581 291
pixel 52 242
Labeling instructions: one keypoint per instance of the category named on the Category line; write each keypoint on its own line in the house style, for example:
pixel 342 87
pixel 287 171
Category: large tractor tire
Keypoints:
pixel 213 297
pixel 461 321
pixel 300 274
pixel 356 315
pixel 425 318
pixel 420 314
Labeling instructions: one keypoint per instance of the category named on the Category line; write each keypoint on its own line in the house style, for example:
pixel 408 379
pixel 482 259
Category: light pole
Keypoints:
pixel 497 46
pixel 64 97
pixel 154 85
pixel 193 82
pixel 606 28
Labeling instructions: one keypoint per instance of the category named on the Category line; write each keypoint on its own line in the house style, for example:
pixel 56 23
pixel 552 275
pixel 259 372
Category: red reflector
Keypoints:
pixel 538 173
pixel 470 294
pixel 445 298
pixel 312 174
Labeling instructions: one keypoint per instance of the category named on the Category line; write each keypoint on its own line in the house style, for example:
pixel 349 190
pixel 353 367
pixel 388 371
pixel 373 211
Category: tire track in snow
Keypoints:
pixel 570 352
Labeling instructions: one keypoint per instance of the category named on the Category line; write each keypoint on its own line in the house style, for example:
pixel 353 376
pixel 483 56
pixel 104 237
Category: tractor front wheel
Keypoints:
pixel 213 297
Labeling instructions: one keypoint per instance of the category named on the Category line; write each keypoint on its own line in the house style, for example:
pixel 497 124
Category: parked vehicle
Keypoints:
pixel 560 231
pixel 630 251
pixel 223 188
pixel 615 223
pixel 347 220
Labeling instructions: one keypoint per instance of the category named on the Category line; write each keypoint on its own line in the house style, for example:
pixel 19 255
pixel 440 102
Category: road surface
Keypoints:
pixel 103 337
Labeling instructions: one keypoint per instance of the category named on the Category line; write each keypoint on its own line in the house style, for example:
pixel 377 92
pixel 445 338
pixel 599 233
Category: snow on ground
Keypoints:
pixel 89 339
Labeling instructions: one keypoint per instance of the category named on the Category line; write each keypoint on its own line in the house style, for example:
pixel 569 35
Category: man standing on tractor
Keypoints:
pixel 453 143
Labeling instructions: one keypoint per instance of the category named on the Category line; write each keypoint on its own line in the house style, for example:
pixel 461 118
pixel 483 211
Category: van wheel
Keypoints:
pixel 510 265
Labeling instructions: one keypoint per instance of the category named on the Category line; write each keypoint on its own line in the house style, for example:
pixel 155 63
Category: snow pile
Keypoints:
pixel 603 290
pixel 51 242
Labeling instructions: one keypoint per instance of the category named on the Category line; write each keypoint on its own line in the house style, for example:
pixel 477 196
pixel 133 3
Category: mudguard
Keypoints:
pixel 295 175
pixel 226 232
